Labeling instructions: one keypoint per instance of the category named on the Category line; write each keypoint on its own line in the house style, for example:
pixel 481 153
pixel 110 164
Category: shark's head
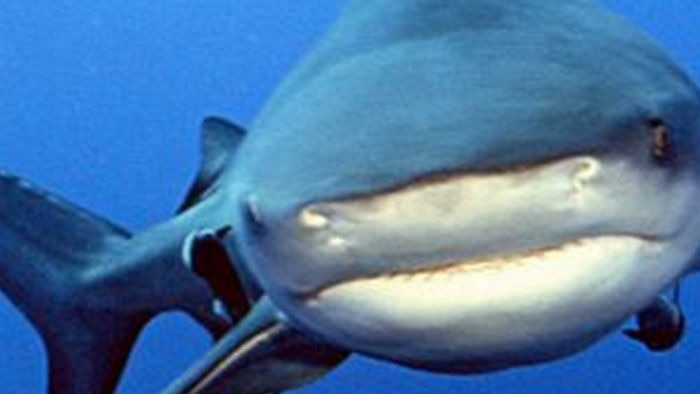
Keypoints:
pixel 472 185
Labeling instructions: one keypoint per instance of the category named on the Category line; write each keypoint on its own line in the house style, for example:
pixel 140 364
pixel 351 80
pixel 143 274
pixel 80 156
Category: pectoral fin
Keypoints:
pixel 261 355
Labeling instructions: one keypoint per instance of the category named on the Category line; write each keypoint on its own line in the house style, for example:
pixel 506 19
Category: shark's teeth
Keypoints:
pixel 446 271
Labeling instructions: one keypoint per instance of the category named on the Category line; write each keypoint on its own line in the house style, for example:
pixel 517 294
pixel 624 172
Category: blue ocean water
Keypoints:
pixel 100 101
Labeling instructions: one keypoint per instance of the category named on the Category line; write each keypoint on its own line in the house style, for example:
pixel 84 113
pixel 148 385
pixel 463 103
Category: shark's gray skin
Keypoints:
pixel 459 186
pixel 464 186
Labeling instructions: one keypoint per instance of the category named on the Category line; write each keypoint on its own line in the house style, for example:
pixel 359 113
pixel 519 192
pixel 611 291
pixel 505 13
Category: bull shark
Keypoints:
pixel 458 186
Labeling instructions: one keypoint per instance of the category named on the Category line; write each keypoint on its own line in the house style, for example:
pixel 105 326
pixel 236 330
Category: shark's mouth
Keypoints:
pixel 563 210
pixel 573 253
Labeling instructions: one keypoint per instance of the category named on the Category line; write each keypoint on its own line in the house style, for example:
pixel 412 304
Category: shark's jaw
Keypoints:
pixel 492 312
pixel 474 272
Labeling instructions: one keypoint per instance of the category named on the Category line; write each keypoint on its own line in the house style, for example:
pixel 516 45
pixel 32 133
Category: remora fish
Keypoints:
pixel 456 186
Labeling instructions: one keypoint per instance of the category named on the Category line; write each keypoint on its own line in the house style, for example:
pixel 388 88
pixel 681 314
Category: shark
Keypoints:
pixel 460 186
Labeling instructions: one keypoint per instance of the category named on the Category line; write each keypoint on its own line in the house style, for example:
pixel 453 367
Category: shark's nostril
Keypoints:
pixel 587 170
pixel 253 216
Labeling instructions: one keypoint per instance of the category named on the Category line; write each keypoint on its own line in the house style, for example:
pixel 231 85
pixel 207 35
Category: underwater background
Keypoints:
pixel 101 101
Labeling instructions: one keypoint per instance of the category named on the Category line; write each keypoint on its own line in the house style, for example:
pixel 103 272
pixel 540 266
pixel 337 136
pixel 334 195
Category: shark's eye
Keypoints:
pixel 662 149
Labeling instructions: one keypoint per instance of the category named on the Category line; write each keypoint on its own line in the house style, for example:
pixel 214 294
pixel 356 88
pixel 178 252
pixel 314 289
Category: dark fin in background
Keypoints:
pixel 261 355
pixel 206 255
pixel 661 325
pixel 47 249
pixel 220 139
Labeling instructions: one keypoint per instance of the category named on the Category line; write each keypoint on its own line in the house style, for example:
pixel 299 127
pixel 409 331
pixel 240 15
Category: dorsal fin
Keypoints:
pixel 220 139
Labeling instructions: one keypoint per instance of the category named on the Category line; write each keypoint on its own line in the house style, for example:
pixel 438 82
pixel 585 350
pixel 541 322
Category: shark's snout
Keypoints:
pixel 493 253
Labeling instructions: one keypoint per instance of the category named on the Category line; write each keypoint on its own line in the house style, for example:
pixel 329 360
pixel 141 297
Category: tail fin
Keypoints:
pixel 48 248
